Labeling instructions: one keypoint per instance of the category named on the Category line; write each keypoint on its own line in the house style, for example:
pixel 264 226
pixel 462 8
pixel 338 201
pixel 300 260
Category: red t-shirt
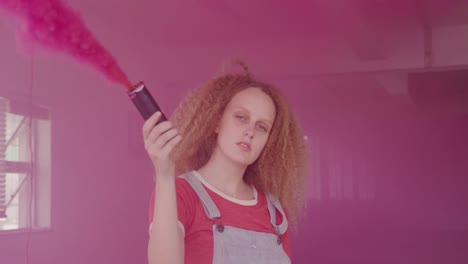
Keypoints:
pixel 198 228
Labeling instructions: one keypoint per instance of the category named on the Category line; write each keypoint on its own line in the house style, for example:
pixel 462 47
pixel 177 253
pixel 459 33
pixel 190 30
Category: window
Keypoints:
pixel 24 166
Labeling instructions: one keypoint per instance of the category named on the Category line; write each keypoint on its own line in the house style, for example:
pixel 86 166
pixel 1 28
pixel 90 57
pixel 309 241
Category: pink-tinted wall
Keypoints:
pixel 388 180
pixel 415 209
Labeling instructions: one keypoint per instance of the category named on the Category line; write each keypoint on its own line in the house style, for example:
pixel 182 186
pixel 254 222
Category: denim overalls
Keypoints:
pixel 236 245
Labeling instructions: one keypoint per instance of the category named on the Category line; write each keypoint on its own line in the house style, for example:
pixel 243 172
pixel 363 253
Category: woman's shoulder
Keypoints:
pixel 184 178
pixel 183 186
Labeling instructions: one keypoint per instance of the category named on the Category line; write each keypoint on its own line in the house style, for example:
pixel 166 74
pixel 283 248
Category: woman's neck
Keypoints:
pixel 224 174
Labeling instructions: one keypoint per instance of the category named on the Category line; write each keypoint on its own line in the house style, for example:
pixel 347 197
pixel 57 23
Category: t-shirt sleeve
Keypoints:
pixel 185 204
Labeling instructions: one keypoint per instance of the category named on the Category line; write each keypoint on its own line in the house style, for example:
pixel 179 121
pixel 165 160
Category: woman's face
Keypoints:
pixel 245 126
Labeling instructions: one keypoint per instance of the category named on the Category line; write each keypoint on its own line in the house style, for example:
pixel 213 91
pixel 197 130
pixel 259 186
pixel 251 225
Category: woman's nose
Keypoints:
pixel 249 131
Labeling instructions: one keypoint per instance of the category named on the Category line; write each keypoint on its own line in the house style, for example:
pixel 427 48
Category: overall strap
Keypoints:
pixel 273 205
pixel 210 208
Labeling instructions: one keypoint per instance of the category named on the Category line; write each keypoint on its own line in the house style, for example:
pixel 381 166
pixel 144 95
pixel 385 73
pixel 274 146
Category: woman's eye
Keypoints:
pixel 240 117
pixel 263 128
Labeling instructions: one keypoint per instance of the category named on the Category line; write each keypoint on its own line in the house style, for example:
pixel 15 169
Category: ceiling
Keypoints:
pixel 229 20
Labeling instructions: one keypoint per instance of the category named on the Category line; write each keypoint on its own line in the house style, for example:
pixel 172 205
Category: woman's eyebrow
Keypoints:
pixel 262 119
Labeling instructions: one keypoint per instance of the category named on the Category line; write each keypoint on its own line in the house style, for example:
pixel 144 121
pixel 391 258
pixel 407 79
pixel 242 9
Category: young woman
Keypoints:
pixel 229 170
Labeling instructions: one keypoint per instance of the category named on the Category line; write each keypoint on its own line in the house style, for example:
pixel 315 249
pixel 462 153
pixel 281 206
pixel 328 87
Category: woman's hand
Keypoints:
pixel 159 141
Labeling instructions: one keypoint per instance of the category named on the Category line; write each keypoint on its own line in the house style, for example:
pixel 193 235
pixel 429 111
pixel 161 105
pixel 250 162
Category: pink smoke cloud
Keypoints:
pixel 56 26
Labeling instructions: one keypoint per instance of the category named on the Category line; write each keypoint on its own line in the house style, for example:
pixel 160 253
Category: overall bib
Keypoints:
pixel 234 245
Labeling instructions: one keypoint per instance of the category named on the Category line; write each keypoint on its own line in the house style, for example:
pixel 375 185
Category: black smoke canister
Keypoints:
pixel 144 102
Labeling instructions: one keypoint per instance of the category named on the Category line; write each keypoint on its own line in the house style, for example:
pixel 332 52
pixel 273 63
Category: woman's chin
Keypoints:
pixel 242 160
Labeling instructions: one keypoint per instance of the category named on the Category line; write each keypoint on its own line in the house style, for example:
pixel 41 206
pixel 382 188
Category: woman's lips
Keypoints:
pixel 244 146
